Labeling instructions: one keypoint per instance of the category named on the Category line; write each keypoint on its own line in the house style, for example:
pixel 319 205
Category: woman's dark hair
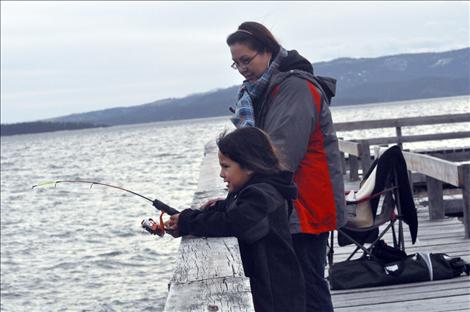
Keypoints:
pixel 256 36
pixel 252 149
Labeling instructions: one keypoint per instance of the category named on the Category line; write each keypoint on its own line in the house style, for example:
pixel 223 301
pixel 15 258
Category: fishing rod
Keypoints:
pixel 149 224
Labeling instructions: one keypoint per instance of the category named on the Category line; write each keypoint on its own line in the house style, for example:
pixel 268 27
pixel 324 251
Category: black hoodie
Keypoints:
pixel 257 216
pixel 294 60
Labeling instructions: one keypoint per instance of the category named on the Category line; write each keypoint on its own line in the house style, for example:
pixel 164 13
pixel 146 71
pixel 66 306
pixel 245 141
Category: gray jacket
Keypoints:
pixel 295 113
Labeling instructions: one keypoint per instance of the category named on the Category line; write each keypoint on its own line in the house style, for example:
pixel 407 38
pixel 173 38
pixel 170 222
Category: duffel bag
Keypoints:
pixel 419 267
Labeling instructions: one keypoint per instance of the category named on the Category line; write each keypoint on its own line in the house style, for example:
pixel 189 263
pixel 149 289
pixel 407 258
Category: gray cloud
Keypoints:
pixel 66 57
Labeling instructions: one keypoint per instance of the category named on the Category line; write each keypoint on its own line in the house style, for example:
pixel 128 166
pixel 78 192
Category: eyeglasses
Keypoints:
pixel 244 62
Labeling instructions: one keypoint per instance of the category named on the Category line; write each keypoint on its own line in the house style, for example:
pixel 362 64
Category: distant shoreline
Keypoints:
pixel 52 126
pixel 44 126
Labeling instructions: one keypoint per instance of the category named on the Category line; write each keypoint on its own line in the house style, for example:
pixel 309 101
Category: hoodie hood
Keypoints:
pixel 294 60
pixel 283 182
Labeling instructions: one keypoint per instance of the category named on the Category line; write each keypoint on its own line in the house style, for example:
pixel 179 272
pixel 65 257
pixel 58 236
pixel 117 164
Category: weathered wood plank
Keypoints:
pixel 365 156
pixel 401 122
pixel 222 294
pixel 351 148
pixel 419 292
pixel 453 206
pixel 209 273
pixel 460 250
pixel 461 281
pixel 353 168
pixel 465 177
pixel 436 199
pixel 420 138
pixel 439 169
pixel 206 258
pixel 450 303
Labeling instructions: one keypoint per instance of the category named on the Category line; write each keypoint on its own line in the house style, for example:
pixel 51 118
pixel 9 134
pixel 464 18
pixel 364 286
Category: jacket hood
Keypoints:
pixel 294 60
pixel 297 65
pixel 283 182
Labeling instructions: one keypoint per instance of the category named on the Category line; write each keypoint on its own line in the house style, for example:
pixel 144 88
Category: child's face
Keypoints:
pixel 231 172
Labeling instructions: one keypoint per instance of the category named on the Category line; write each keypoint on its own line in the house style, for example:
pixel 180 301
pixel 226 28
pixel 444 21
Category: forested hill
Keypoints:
pixel 201 105
pixel 359 81
pixel 399 77
pixel 41 126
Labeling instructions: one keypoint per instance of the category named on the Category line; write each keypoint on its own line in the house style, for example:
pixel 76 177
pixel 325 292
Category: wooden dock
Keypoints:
pixel 436 232
pixel 209 275
pixel 436 236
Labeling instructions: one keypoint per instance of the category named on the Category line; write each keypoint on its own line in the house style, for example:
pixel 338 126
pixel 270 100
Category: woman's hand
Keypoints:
pixel 171 226
pixel 210 203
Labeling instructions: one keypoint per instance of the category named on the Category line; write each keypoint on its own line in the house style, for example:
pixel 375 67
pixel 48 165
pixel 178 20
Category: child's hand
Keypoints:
pixel 171 226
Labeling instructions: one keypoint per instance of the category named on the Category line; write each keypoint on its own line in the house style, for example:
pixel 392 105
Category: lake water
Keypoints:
pixel 72 248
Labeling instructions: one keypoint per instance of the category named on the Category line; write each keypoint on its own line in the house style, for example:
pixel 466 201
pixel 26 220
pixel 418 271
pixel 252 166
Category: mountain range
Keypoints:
pixel 359 81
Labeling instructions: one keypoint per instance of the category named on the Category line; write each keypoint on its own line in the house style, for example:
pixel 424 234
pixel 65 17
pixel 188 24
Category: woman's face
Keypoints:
pixel 249 63
pixel 232 173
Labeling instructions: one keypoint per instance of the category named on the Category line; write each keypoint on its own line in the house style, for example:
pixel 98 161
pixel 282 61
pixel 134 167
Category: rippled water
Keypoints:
pixel 416 108
pixel 72 248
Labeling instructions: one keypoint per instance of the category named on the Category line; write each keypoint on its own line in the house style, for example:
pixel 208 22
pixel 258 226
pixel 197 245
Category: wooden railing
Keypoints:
pixel 359 150
pixel 437 172
pixel 209 273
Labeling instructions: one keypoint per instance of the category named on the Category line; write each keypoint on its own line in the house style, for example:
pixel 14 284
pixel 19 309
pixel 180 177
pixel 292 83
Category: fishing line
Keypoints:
pixel 155 202
pixel 149 225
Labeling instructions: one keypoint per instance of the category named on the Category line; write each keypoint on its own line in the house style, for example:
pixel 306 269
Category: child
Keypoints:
pixel 256 212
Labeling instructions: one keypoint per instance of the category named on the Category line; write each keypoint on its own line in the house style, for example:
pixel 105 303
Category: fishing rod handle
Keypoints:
pixel 164 207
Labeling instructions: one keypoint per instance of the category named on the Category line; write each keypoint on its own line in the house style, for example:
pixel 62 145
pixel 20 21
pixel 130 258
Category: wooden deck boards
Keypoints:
pixel 441 236
pixel 209 274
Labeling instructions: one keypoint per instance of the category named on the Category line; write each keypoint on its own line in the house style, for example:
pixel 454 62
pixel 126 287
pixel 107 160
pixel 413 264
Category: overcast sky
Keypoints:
pixel 65 57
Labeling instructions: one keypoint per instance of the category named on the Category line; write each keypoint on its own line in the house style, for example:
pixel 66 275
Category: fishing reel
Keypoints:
pixel 153 227
pixel 158 228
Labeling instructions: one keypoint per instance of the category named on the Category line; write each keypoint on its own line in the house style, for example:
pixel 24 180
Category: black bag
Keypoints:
pixel 385 253
pixel 419 267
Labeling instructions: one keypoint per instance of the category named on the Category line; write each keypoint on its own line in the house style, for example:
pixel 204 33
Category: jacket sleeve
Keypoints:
pixel 246 218
pixel 292 118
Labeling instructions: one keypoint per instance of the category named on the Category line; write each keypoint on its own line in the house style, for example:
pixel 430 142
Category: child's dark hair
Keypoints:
pixel 252 149
pixel 256 36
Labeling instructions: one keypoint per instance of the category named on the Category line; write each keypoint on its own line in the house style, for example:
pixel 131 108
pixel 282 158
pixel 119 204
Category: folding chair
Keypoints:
pixel 384 197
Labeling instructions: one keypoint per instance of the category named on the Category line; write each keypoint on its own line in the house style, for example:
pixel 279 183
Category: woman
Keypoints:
pixel 282 96
pixel 255 211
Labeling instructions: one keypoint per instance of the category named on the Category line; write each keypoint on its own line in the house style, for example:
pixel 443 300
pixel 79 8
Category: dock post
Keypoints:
pixel 365 156
pixel 353 168
pixel 436 199
pixel 465 169
pixel 343 160
pixel 399 136
pixel 410 180
pixel 343 163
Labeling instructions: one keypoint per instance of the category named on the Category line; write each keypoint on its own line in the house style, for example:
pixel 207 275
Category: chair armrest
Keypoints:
pixel 367 198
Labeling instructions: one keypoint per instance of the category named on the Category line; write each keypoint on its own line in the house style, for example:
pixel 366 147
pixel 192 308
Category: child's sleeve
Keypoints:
pixel 211 222
pixel 246 218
